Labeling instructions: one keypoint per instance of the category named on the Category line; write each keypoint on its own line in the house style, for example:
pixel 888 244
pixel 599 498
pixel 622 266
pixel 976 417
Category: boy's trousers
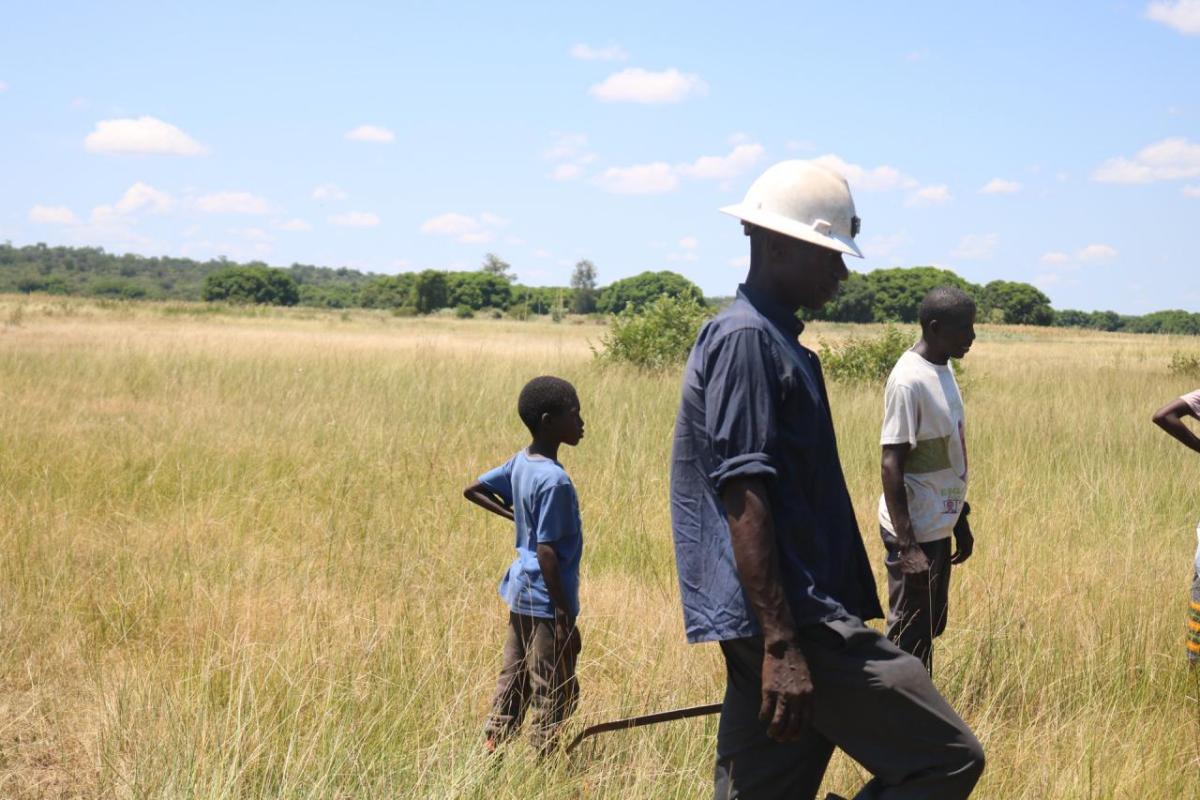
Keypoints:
pixel 872 700
pixel 538 676
pixel 917 613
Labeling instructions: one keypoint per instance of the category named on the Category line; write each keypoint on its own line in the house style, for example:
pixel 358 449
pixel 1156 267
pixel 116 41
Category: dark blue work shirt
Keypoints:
pixel 754 404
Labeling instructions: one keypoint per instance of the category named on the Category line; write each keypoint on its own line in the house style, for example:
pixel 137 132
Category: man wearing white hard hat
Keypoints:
pixel 771 561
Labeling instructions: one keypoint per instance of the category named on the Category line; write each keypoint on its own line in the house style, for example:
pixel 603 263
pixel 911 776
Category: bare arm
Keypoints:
pixel 481 496
pixel 786 683
pixel 912 558
pixel 1170 419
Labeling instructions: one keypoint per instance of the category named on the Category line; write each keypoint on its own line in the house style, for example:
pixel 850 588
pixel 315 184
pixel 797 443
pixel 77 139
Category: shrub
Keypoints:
pixel 1185 365
pixel 866 359
pixel 519 311
pixel 463 311
pixel 660 336
pixel 255 284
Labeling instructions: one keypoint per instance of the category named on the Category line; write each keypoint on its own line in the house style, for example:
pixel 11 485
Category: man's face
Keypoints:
pixel 955 336
pixel 810 275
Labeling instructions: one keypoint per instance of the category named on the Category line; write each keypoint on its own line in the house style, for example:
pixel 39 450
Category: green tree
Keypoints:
pixel 854 302
pixel 583 281
pixel 430 291
pixel 478 290
pixel 257 284
pixel 898 292
pixel 636 292
pixel 1021 303
pixel 494 265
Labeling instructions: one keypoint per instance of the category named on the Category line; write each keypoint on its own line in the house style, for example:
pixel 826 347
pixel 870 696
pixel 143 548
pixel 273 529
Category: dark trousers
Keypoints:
pixel 537 676
pixel 917 608
pixel 870 699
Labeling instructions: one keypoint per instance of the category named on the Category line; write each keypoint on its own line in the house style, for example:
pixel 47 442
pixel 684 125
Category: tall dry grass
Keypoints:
pixel 234 561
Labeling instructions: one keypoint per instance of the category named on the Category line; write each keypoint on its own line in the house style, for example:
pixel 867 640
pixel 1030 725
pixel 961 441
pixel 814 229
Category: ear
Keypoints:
pixel 544 419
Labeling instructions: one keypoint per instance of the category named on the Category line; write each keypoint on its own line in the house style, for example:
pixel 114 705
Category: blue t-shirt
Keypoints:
pixel 546 511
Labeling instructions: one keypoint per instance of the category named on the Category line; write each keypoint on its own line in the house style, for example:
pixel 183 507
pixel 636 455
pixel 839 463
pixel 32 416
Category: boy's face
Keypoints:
pixel 955 336
pixel 565 426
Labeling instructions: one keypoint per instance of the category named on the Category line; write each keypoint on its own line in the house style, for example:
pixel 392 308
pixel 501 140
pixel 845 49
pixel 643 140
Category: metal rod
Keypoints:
pixel 645 719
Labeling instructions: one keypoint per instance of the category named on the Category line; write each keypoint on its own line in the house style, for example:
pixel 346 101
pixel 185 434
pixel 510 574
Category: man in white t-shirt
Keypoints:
pixel 924 468
pixel 1170 419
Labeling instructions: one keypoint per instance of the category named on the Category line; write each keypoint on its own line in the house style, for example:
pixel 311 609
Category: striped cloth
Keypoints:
pixel 1193 640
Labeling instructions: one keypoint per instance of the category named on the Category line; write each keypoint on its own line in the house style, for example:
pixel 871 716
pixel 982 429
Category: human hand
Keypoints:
pixel 913 561
pixel 566 635
pixel 964 542
pixel 786 692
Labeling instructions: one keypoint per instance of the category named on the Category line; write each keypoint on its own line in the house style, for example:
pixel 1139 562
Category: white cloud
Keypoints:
pixel 371 133
pixel 883 246
pixel 877 179
pixel 141 135
pixel 636 85
pixel 1182 15
pixel 1000 186
pixel 654 178
pixel 1047 280
pixel 1096 252
pixel 929 195
pixel 232 203
pixel 741 262
pixel 542 253
pixel 689 243
pixel 976 245
pixel 1055 257
pixel 566 172
pixel 294 225
pixel 3 86
pixel 586 52
pixel 1191 191
pixel 139 197
pixel 1169 159
pixel 742 157
pixel 252 234
pixel 355 219
pixel 328 191
pixel 52 215
pixel 566 147
pixel 466 229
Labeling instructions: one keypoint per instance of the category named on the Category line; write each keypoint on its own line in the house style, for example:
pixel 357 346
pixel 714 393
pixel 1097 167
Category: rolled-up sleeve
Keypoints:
pixel 742 391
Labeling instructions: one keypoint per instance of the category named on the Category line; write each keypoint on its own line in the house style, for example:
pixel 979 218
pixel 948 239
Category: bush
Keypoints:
pixel 463 311
pixel 1185 365
pixel 643 289
pixel 865 359
pixel 518 311
pixel 660 336
pixel 256 284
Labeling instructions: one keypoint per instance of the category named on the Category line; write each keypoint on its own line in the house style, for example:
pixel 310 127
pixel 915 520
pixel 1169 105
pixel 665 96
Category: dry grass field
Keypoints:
pixel 235 562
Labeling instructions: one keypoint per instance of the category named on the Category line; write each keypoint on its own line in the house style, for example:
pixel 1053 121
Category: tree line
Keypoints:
pixel 885 295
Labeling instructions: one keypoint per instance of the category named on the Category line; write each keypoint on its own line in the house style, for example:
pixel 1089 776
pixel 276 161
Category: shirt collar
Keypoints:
pixel 782 316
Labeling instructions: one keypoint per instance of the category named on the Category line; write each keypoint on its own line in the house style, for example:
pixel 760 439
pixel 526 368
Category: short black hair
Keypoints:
pixel 946 303
pixel 545 394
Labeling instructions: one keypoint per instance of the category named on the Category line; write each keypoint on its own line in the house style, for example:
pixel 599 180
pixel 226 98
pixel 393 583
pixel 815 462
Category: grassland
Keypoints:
pixel 234 561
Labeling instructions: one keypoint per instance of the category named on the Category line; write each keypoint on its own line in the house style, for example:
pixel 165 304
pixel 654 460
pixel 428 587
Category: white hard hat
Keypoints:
pixel 804 200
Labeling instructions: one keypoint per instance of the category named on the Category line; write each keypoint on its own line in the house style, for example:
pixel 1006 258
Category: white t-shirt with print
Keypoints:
pixel 1193 401
pixel 923 408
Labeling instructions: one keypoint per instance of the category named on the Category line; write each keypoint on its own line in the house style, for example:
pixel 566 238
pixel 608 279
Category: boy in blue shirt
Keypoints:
pixel 541 586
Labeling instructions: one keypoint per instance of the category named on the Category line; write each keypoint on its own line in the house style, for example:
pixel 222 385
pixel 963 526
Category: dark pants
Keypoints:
pixel 870 699
pixel 538 676
pixel 917 609
pixel 1193 642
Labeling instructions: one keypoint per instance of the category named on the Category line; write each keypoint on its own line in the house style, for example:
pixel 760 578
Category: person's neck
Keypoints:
pixel 763 282
pixel 546 448
pixel 926 350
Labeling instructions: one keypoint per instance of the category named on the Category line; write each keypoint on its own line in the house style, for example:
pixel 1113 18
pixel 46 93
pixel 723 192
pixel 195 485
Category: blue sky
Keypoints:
pixel 1056 143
